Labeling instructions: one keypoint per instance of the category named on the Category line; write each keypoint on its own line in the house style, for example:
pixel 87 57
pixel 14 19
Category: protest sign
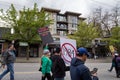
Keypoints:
pixel 68 47
pixel 45 35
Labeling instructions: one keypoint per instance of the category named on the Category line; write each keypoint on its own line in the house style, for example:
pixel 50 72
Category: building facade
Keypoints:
pixel 3 42
pixel 63 24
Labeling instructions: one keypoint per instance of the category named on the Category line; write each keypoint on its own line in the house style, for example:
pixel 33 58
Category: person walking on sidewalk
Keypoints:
pixel 58 67
pixel 114 54
pixel 113 63
pixel 8 57
pixel 46 65
pixel 117 66
pixel 78 70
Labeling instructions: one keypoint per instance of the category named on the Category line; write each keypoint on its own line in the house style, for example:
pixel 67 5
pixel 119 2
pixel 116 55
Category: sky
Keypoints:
pixel 85 7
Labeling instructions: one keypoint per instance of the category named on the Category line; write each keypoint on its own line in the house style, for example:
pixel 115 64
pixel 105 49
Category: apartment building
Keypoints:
pixel 63 24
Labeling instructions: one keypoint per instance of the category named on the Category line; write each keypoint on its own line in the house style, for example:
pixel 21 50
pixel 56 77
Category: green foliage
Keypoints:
pixel 115 33
pixel 25 23
pixel 115 38
pixel 85 34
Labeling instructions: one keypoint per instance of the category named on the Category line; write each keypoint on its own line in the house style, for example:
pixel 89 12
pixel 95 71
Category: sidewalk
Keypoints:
pixel 24 60
pixel 100 60
pixel 37 60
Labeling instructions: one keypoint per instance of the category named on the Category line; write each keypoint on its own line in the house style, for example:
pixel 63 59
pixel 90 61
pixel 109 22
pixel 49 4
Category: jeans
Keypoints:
pixel 59 78
pixel 10 68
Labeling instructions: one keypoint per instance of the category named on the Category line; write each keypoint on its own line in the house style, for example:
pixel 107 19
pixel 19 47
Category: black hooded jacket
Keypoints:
pixel 79 71
pixel 58 67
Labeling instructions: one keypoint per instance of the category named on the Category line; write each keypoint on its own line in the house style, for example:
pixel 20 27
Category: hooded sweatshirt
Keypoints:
pixel 58 67
pixel 79 71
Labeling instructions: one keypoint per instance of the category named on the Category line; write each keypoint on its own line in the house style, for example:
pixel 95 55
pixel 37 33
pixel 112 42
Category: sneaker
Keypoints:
pixel 109 70
pixel 118 76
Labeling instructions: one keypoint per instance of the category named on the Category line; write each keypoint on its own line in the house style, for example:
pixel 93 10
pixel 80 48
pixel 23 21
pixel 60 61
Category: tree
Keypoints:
pixel 25 23
pixel 95 19
pixel 85 34
pixel 101 19
pixel 115 38
pixel 105 19
pixel 115 16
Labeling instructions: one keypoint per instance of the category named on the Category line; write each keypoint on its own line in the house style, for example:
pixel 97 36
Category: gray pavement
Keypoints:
pixel 29 71
pixel 36 60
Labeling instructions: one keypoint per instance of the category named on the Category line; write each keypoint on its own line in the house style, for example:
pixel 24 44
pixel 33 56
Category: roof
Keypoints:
pixel 50 10
pixel 82 18
pixel 72 13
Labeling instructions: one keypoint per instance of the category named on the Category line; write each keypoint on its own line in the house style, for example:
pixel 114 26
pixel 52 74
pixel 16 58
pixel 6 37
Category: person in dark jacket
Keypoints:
pixel 78 71
pixel 117 66
pixel 58 67
pixel 8 59
pixel 113 63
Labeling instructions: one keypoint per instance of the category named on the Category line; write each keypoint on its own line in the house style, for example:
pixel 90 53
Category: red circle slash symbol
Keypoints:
pixel 68 52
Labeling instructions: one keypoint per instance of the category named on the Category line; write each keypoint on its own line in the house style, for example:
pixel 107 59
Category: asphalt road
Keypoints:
pixel 29 71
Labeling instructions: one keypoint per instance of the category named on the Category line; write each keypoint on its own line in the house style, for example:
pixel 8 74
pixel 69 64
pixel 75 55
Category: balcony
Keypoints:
pixel 62 27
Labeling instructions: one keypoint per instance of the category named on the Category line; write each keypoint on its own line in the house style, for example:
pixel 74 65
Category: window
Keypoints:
pixel 61 18
pixel 73 19
pixel 23 51
pixel 33 52
pixel 74 25
pixel 62 33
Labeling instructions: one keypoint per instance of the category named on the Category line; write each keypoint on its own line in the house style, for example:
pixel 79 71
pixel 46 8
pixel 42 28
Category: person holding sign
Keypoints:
pixel 78 70
pixel 58 67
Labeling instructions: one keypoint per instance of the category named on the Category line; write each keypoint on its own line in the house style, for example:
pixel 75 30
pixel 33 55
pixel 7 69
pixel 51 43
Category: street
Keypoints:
pixel 29 71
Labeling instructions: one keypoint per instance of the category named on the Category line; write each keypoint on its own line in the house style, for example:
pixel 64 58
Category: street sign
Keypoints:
pixel 68 47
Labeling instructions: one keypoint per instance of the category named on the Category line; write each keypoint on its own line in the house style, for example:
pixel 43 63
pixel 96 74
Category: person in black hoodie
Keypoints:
pixel 78 71
pixel 58 67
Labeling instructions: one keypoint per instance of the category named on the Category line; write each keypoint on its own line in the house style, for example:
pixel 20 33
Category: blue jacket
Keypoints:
pixel 79 71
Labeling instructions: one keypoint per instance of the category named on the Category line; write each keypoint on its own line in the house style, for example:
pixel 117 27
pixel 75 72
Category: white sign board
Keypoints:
pixel 68 47
pixel 23 43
